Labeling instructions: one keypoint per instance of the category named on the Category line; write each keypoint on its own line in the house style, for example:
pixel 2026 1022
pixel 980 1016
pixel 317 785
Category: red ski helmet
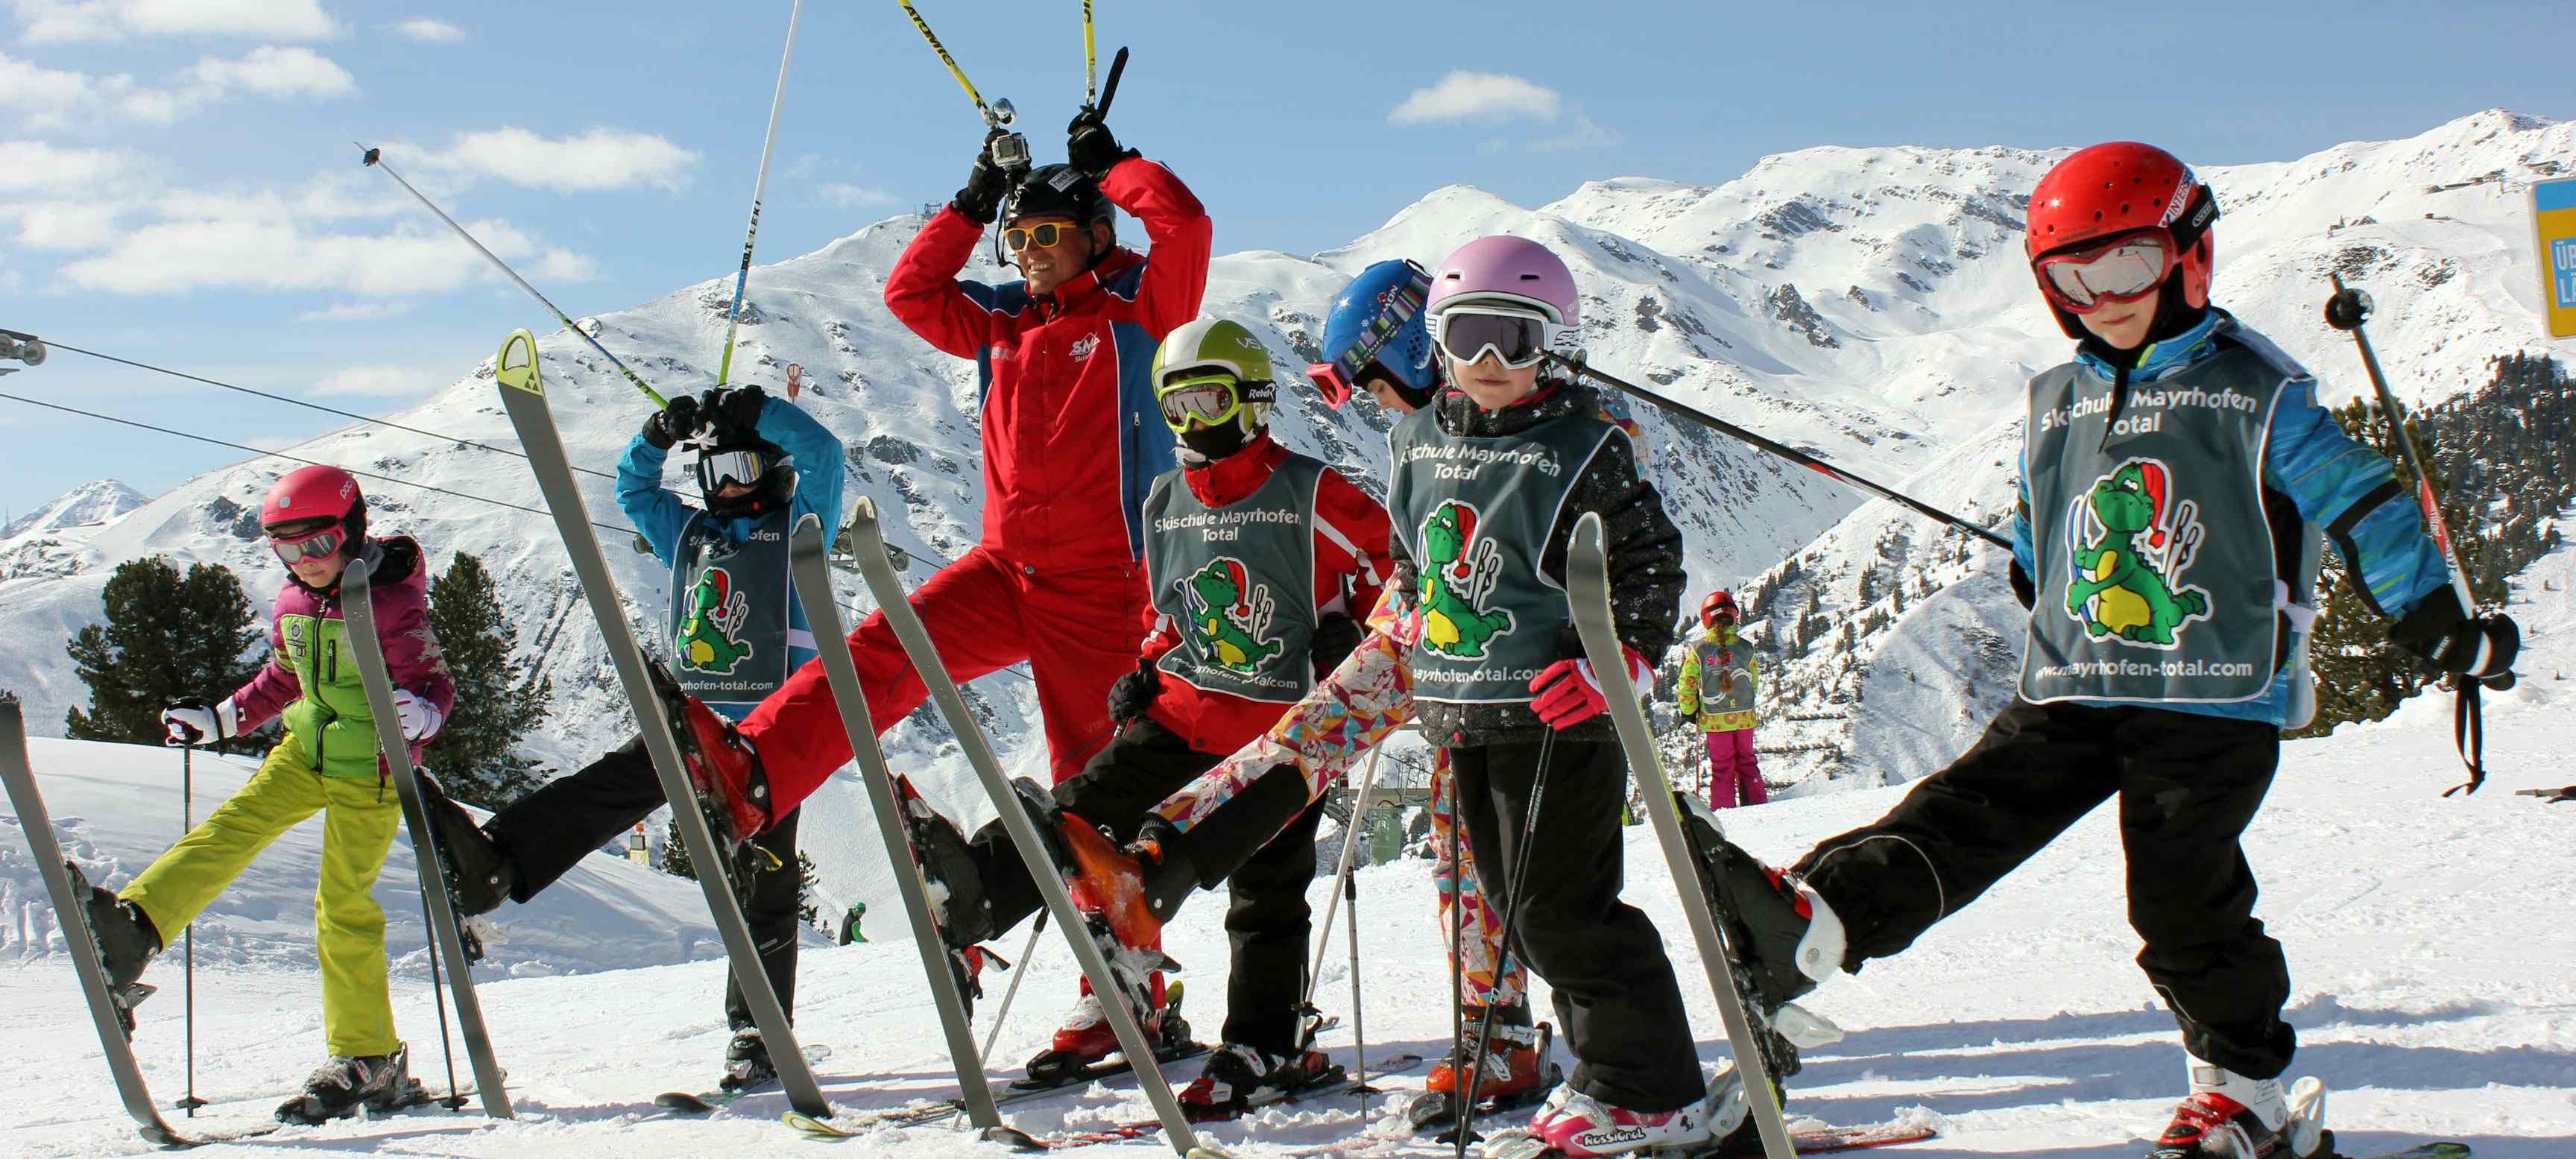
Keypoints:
pixel 2116 188
pixel 317 492
pixel 1718 601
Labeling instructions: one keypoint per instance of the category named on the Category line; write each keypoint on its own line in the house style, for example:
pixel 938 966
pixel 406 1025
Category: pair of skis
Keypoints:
pixel 72 910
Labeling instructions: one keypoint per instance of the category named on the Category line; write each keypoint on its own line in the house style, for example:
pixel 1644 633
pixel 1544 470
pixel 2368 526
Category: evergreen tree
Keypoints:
pixel 675 852
pixel 167 637
pixel 806 880
pixel 497 700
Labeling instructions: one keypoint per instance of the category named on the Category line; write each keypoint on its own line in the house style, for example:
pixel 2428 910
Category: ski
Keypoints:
pixel 1340 1084
pixel 705 1102
pixel 1036 1084
pixel 523 396
pixel 2427 1151
pixel 1587 583
pixel 445 940
pixel 1809 1141
pixel 813 575
pixel 20 777
pixel 868 541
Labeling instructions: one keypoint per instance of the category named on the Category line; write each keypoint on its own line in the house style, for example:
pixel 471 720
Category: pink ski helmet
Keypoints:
pixel 1506 276
pixel 317 492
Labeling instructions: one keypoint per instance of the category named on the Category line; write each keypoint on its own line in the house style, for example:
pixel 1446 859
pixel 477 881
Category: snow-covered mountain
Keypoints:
pixel 1869 304
pixel 82 506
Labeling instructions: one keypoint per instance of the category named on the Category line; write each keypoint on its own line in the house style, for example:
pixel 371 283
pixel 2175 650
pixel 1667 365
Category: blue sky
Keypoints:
pixel 177 184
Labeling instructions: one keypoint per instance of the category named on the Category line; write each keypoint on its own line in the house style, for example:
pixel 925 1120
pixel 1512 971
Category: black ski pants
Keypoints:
pixel 547 832
pixel 1268 922
pixel 2187 784
pixel 1616 998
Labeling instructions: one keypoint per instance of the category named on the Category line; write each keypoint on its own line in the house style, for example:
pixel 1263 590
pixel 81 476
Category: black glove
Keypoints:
pixel 2441 632
pixel 986 185
pixel 1090 148
pixel 1134 693
pixel 734 410
pixel 2023 590
pixel 677 420
pixel 1335 636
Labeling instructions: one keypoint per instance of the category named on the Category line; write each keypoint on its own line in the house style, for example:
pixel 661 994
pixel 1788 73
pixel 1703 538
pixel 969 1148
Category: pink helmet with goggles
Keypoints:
pixel 315 492
pixel 1509 295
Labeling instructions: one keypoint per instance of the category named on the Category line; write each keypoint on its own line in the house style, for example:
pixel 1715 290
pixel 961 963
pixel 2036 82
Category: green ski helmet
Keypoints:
pixel 1211 372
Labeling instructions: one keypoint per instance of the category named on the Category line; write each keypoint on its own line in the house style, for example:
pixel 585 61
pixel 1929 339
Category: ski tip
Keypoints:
pixel 1012 1137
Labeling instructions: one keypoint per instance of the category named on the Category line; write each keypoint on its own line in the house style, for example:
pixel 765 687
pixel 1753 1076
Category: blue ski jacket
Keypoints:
pixel 818 458
pixel 2336 483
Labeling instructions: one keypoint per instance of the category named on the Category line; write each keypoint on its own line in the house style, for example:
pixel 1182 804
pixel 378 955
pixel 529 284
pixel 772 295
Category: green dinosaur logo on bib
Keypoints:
pixel 1458 575
pixel 710 638
pixel 1230 616
pixel 2129 545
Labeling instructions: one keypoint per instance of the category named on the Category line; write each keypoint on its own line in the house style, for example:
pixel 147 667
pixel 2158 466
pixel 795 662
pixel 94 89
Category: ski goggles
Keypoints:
pixel 1201 401
pixel 1516 337
pixel 1043 235
pixel 1339 379
pixel 316 544
pixel 2123 269
pixel 720 469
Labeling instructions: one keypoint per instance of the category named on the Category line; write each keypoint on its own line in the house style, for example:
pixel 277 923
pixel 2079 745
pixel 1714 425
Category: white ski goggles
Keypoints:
pixel 720 469
pixel 1516 336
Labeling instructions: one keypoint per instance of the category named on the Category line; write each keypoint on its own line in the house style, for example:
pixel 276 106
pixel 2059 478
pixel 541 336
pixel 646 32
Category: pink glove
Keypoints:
pixel 1569 693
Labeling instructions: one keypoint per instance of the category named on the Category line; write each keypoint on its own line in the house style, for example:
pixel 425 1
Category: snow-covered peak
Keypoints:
pixel 87 505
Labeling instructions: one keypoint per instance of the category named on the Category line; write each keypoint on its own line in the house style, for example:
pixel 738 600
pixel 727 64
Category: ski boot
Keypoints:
pixel 1515 1072
pixel 746 1062
pixel 377 1082
pixel 123 937
pixel 723 766
pixel 958 903
pixel 479 876
pixel 2230 1116
pixel 1573 1125
pixel 1086 1038
pixel 1787 938
pixel 1238 1078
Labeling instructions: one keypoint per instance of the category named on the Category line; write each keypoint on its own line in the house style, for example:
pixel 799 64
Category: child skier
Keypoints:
pixel 327 762
pixel 1255 556
pixel 2178 478
pixel 1718 677
pixel 736 632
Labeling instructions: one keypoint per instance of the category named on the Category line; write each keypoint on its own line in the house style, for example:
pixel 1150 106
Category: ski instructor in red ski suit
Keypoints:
pixel 1072 438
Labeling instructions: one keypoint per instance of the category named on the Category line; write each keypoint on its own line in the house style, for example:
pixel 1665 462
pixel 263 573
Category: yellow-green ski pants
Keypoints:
pixel 360 815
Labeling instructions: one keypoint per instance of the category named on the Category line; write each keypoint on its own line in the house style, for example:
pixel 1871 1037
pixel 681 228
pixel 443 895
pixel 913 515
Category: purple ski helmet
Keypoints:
pixel 1506 277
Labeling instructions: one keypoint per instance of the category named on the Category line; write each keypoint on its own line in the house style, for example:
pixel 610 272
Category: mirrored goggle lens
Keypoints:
pixel 310 545
pixel 727 467
pixel 1199 402
pixel 1329 382
pixel 2124 269
pixel 1042 235
pixel 1517 340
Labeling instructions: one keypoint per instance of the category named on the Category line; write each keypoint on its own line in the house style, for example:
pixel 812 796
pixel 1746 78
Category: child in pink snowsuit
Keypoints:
pixel 1718 678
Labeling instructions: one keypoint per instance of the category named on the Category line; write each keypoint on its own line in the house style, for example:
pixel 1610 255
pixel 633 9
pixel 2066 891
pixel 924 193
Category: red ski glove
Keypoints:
pixel 1569 693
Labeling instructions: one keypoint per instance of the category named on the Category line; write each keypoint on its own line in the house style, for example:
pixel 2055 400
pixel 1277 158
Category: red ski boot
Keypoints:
pixel 721 764
pixel 1514 1073
pixel 2230 1116
pixel 1086 1038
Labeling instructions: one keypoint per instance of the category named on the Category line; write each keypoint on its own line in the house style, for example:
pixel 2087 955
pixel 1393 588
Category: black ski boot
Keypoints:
pixel 479 876
pixel 377 1082
pixel 125 941
pixel 1239 1078
pixel 747 1066
pixel 1785 937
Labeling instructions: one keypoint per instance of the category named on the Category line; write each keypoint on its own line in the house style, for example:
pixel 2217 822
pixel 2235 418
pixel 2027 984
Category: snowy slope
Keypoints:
pixel 2430 954
pixel 84 506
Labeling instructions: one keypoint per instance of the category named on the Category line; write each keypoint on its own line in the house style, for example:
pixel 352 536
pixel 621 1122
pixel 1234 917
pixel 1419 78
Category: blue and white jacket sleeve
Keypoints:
pixel 657 513
pixel 819 460
pixel 2021 546
pixel 2352 492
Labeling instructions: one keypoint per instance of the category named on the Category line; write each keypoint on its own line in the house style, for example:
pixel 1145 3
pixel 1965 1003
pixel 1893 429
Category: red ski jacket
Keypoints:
pixel 1351 564
pixel 1072 438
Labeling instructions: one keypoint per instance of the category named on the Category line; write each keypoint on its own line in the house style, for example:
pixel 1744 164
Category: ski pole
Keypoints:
pixel 1511 917
pixel 1359 1014
pixel 1002 1013
pixel 1010 151
pixel 188 821
pixel 1792 454
pixel 438 992
pixel 1344 885
pixel 759 184
pixel 374 159
pixel 1090 59
pixel 1457 946
pixel 2348 310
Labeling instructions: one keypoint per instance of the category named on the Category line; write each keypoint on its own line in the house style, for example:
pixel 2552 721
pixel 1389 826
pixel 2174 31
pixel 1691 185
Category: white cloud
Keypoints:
pixel 428 31
pixel 63 21
pixel 37 165
pixel 601 158
pixel 846 195
pixel 276 72
pixel 250 250
pixel 356 312
pixel 377 379
pixel 1477 96
pixel 51 97
pixel 64 225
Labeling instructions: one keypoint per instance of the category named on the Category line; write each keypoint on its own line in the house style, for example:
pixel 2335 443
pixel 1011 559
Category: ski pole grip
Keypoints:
pixel 1109 91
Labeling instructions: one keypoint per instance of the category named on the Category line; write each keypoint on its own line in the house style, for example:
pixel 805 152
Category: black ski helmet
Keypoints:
pixel 771 490
pixel 1058 191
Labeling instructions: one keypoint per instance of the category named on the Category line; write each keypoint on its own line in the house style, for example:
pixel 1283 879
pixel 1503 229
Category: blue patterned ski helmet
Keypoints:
pixel 1378 319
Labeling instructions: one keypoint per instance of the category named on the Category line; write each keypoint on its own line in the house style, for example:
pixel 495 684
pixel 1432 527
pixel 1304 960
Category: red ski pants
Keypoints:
pixel 1078 630
pixel 1732 766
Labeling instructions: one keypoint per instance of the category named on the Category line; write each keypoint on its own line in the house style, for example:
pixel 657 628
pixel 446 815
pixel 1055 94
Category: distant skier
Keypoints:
pixel 2178 478
pixel 1719 672
pixel 1256 556
pixel 735 630
pixel 327 761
